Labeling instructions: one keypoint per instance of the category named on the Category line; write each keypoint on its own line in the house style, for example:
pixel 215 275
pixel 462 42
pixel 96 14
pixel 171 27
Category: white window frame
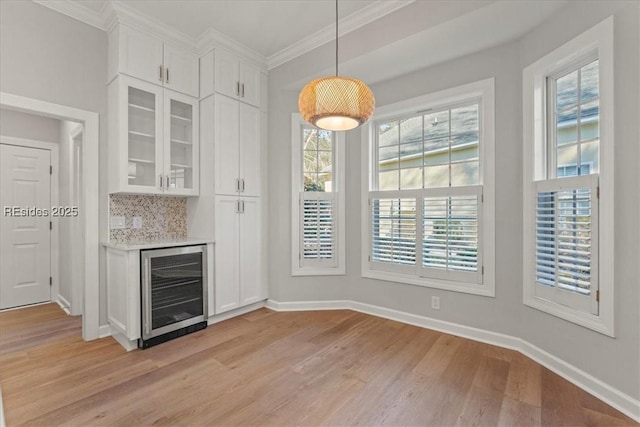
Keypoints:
pixel 335 266
pixel 596 41
pixel 484 92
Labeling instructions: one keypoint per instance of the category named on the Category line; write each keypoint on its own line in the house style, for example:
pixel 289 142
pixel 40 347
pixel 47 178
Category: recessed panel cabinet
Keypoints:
pixel 153 139
pixel 149 58
pixel 238 280
pixel 237 148
pixel 237 78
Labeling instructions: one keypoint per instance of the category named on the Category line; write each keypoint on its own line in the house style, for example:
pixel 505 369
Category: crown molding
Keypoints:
pixel 75 10
pixel 117 11
pixel 348 24
pixel 211 39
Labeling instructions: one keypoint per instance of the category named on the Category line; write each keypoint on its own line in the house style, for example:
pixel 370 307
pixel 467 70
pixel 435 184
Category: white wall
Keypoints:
pixel 615 361
pixel 28 126
pixel 52 57
pixel 597 354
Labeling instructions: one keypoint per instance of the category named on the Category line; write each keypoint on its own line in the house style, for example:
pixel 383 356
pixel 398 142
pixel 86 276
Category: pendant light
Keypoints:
pixel 336 103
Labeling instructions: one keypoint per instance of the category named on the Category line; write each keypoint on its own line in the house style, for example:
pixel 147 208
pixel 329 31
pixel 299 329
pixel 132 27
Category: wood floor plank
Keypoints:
pixel 267 368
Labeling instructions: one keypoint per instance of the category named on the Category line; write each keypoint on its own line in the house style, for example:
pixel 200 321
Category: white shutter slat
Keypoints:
pixel 566 233
pixel 318 228
pixel 394 230
pixel 450 232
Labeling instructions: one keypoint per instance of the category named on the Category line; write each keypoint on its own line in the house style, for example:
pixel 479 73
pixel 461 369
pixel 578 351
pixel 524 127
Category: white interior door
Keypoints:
pixel 25 236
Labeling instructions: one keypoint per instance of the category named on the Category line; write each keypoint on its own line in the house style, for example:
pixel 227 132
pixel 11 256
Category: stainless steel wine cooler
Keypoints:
pixel 174 293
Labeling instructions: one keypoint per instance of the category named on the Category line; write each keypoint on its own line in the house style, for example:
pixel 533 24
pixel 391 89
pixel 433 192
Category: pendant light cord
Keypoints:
pixel 336 38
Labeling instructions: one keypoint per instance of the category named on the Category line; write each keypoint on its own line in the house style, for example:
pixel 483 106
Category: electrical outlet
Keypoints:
pixel 117 222
pixel 137 222
pixel 435 303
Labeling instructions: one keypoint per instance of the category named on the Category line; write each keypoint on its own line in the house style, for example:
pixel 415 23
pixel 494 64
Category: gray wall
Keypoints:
pixel 48 56
pixel 587 350
pixel 28 126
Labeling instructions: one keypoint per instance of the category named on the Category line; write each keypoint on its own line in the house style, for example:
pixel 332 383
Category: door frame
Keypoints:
pixel 90 165
pixel 75 308
pixel 54 183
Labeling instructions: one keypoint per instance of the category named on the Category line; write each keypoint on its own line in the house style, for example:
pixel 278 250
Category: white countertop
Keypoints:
pixel 133 246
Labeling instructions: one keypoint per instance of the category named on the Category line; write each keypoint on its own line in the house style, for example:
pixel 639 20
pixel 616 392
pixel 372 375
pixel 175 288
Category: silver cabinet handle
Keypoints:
pixel 237 206
pixel 242 90
pixel 167 74
pixel 166 181
pixel 238 88
pixel 161 182
pixel 160 74
pixel 242 206
pixel 242 185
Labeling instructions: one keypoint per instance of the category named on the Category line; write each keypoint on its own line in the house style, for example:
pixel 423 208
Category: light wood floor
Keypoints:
pixel 267 368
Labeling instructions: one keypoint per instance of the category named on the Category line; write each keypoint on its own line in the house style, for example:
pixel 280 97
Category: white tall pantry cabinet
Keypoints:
pixel 230 99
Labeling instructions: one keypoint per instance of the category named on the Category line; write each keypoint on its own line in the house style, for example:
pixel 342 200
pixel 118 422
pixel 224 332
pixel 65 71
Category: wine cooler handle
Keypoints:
pixel 147 296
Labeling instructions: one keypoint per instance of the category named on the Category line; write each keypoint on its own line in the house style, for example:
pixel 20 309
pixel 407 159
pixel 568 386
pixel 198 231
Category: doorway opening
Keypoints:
pixel 85 236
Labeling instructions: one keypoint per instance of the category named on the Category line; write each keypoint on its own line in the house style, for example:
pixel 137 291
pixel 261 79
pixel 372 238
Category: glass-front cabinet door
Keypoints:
pixel 181 143
pixel 144 138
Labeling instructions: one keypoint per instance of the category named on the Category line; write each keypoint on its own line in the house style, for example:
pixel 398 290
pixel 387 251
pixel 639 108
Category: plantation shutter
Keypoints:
pixel 394 227
pixel 318 237
pixel 567 241
pixel 450 233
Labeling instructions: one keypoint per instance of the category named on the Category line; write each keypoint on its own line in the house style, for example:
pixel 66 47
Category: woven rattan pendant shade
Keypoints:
pixel 336 103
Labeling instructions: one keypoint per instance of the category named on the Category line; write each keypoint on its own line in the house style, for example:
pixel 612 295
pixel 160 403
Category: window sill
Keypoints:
pixel 587 320
pixel 318 271
pixel 483 290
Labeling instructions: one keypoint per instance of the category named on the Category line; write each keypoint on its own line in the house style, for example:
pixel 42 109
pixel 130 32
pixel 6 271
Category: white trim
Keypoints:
pixel 213 39
pixel 603 391
pixel 598 38
pixel 104 331
pixel 54 254
pixel 484 90
pixel 75 10
pixel 360 18
pixel 339 187
pixel 90 162
pixel 234 313
pixel 64 304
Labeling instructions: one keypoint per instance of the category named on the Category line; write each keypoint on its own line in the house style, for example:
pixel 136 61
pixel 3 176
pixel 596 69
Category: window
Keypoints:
pixel 429 191
pixel 317 200
pixel 568 190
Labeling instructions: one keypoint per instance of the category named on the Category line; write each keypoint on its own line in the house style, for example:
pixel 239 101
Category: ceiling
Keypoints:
pixel 265 26
pixel 277 31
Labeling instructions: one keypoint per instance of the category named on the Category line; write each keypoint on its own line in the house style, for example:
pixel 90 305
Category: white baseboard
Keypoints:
pixel 234 313
pixel 64 304
pixel 612 396
pixel 104 331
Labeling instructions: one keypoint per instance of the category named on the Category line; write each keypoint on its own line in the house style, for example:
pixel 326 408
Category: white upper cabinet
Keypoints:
pixel 149 58
pixel 153 139
pixel 237 148
pixel 236 78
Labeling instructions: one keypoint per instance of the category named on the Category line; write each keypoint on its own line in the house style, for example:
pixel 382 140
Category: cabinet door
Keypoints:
pixel 140 55
pixel 227 281
pixel 181 143
pixel 250 79
pixel 249 150
pixel 180 70
pixel 141 136
pixel 227 149
pixel 250 260
pixel 227 74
